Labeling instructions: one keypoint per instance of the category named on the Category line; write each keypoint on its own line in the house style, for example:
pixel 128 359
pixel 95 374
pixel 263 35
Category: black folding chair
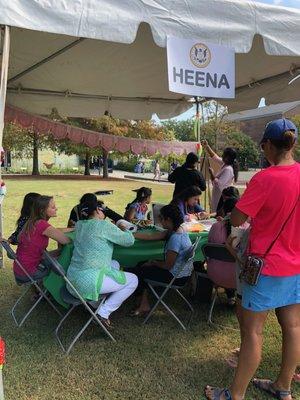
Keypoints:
pixel 75 302
pixel 171 286
pixel 218 252
pixel 27 282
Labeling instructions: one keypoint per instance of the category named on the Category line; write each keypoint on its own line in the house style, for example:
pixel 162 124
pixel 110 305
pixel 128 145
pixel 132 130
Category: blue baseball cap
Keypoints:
pixel 276 129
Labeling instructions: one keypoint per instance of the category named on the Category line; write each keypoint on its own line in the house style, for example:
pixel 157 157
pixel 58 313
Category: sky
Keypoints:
pixel 284 3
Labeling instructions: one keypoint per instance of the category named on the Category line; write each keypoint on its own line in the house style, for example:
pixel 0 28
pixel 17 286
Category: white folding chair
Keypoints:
pixel 171 286
pixel 27 282
pixel 156 207
pixel 75 302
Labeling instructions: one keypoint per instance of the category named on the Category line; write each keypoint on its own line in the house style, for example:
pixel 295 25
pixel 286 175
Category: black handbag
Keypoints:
pixel 253 266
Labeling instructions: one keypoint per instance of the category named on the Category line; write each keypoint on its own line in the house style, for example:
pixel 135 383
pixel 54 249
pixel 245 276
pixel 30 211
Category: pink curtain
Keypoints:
pixel 95 139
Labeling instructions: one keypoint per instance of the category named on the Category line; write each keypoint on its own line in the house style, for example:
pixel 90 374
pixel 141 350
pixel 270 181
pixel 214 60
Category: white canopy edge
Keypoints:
pixel 232 23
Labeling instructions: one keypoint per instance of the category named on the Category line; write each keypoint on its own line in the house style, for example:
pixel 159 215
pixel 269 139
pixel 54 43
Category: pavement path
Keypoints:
pixel 244 176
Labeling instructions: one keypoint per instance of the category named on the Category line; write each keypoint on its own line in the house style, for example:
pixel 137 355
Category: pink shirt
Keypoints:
pixel 30 248
pixel 223 269
pixel 223 179
pixel 268 200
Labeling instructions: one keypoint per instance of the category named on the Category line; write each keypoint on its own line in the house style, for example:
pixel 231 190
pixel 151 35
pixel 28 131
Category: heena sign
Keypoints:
pixel 198 68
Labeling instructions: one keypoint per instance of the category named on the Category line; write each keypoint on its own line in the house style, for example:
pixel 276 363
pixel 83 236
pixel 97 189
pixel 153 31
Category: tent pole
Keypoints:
pixel 46 59
pixel 5 45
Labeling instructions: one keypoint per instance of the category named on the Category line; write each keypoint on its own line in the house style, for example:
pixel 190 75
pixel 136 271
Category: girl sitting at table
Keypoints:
pixel 75 212
pixel 230 192
pixel 219 234
pixel 137 209
pixel 26 209
pixel 91 270
pixel 174 262
pixel 188 202
pixel 34 238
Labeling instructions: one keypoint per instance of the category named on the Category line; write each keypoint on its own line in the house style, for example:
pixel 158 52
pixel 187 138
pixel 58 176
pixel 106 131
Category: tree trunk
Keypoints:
pixel 35 155
pixel 87 163
pixel 105 163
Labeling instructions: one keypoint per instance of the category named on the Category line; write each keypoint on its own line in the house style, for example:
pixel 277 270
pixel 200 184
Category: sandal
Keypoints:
pixel 266 385
pixel 138 313
pixel 217 393
pixel 106 322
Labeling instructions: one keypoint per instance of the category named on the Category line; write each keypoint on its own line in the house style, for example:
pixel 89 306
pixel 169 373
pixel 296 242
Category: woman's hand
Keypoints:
pixel 204 143
pixel 203 215
pixel 207 148
pixel 229 246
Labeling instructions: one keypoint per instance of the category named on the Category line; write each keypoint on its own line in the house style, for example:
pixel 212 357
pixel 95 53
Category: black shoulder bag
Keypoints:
pixel 252 268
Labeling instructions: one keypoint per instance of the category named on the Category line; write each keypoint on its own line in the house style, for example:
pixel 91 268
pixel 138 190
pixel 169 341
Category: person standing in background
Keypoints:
pixel 187 175
pixel 156 171
pixel 227 175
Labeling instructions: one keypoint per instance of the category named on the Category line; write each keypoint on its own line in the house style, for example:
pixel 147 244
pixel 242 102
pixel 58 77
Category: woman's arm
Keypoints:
pixel 169 262
pixel 237 217
pixel 151 236
pixel 66 230
pixel 117 236
pixel 56 234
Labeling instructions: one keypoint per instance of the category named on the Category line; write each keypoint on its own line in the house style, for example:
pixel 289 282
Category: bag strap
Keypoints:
pixel 281 229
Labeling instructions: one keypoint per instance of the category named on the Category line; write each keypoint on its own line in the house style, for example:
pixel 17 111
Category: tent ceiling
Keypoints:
pixel 125 71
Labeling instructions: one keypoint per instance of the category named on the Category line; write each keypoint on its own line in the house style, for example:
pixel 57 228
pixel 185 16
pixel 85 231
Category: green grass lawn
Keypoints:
pixel 157 361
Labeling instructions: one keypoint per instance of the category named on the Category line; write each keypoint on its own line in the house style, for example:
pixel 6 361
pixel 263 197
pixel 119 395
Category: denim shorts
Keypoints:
pixel 271 292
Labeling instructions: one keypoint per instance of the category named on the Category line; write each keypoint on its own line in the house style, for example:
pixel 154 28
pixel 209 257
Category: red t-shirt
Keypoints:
pixel 30 248
pixel 269 200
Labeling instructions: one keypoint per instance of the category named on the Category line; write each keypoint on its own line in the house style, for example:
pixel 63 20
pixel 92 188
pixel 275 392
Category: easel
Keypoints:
pixel 204 164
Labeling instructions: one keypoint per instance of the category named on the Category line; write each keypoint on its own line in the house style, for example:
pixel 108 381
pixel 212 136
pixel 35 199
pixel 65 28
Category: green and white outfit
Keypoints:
pixel 90 270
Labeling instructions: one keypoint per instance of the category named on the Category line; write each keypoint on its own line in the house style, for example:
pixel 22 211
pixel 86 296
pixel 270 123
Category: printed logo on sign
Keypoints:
pixel 200 55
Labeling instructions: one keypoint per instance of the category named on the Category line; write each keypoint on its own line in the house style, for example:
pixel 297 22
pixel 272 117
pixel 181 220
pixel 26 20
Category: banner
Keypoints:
pixel 198 68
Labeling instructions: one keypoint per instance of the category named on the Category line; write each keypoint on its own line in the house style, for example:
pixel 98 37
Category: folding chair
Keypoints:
pixel 28 283
pixel 75 302
pixel 219 277
pixel 171 286
pixel 156 207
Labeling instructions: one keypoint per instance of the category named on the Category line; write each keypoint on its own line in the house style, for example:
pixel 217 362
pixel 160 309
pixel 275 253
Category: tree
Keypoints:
pixel 227 134
pixel 182 130
pixel 26 143
pixel 296 120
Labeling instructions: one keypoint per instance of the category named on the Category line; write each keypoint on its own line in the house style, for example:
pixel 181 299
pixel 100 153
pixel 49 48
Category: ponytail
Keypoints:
pixel 141 194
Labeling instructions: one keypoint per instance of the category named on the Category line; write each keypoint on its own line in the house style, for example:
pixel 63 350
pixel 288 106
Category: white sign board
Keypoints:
pixel 198 68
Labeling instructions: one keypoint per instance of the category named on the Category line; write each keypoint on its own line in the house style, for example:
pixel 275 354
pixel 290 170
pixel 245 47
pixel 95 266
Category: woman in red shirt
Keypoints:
pixel 34 238
pixel 272 202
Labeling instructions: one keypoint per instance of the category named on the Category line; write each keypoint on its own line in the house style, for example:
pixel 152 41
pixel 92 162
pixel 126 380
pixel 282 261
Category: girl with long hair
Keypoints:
pixel 174 263
pixel 26 209
pixel 35 235
pixel 188 203
pixel 137 209
pixel 226 176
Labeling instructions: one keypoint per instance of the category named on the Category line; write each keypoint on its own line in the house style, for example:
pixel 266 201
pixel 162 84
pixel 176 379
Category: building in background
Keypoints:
pixel 253 122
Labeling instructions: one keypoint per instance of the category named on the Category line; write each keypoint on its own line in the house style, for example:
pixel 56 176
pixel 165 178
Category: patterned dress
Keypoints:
pixel 92 255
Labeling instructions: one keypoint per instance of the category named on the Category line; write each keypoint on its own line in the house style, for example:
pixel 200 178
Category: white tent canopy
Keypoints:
pixel 55 60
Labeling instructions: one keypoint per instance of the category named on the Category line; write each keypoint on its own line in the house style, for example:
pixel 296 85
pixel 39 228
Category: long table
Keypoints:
pixel 141 250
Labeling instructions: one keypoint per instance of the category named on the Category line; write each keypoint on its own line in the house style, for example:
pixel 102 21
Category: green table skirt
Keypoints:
pixel 142 250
